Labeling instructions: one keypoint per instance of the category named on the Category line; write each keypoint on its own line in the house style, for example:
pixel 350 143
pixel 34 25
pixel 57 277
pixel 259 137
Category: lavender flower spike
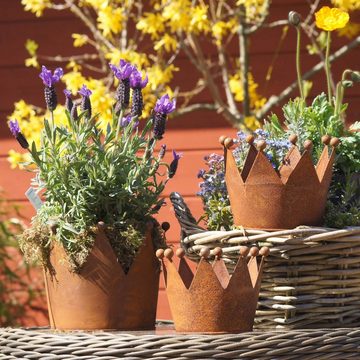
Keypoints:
pixel 85 101
pixel 123 71
pixel 137 84
pixel 174 164
pixel 136 80
pixel 15 130
pixel 50 79
pixel 14 127
pixel 68 101
pixel 164 105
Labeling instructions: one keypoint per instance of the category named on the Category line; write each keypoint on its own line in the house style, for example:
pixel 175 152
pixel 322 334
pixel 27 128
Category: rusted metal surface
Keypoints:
pixel 263 198
pixel 211 300
pixel 102 296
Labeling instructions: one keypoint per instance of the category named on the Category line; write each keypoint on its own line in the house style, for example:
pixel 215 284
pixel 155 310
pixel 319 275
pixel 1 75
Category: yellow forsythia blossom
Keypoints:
pixel 256 100
pixel 79 39
pixel 36 6
pixel 347 5
pixel 177 14
pixel 350 30
pixel 167 42
pixel 159 76
pixel 32 62
pixel 251 123
pixel 140 60
pixel 110 20
pixel 330 19
pixel 254 8
pixel 199 22
pixel 152 24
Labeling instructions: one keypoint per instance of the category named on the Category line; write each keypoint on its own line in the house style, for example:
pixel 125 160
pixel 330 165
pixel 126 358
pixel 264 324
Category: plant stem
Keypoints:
pixel 327 66
pixel 298 69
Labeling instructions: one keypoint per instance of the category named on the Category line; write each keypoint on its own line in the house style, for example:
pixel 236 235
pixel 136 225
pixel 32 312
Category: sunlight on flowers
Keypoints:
pixel 36 6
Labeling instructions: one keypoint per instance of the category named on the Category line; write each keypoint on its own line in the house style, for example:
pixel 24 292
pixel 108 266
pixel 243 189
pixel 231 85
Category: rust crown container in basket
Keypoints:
pixel 101 295
pixel 261 197
pixel 211 300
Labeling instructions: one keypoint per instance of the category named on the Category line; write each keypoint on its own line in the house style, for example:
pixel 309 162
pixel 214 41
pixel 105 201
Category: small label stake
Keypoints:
pixel 34 198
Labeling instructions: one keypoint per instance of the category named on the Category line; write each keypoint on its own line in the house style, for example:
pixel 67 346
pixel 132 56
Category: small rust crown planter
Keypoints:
pixel 212 301
pixel 102 296
pixel 263 198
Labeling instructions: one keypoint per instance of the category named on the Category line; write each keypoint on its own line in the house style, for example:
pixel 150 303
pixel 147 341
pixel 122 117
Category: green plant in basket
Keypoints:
pixel 89 175
pixel 324 116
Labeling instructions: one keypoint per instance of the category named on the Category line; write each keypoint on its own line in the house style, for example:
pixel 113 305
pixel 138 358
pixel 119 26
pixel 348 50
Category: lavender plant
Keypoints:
pixel 88 176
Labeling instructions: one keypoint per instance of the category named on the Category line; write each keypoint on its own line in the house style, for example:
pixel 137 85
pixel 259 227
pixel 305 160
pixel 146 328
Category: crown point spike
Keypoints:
pixel 165 226
pixel 243 251
pixel 264 251
pixel 334 142
pixel 228 143
pixel 159 253
pixel 325 139
pixel 217 252
pixel 293 139
pixel 169 253
pixel 308 145
pixel 222 139
pixel 261 145
pixel 180 253
pixel 205 252
pixel 254 251
pixel 250 139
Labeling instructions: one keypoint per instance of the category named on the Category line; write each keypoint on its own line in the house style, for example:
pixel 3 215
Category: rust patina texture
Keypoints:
pixel 102 296
pixel 211 300
pixel 263 198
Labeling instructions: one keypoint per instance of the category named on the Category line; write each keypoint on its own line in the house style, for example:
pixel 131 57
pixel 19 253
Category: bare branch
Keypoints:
pixel 195 107
pixel 274 100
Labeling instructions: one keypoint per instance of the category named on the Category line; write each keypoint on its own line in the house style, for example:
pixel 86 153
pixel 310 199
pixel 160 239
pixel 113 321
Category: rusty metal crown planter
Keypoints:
pixel 212 301
pixel 260 197
pixel 102 296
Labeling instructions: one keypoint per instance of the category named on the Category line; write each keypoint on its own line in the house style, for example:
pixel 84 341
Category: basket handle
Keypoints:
pixel 185 218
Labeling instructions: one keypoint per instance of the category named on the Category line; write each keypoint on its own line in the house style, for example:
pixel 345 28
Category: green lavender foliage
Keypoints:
pixel 88 176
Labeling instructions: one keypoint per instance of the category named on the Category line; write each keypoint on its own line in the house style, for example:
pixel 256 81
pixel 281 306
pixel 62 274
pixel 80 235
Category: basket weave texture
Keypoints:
pixel 311 278
pixel 322 344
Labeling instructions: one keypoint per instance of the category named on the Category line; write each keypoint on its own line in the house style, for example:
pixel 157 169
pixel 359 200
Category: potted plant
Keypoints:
pixel 310 275
pixel 95 233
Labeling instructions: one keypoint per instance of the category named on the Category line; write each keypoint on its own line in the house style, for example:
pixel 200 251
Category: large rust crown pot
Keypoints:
pixel 101 295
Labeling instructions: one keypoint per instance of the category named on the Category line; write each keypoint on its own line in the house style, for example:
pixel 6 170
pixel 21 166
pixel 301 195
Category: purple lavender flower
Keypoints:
pixel 122 93
pixel 137 84
pixel 68 101
pixel 126 120
pixel 50 79
pixel 136 80
pixel 174 164
pixel 74 112
pixel 163 107
pixel 85 101
pixel 123 71
pixel 15 130
pixel 14 127
pixel 201 174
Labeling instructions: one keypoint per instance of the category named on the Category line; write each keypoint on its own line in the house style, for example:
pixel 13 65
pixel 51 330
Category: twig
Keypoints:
pixel 194 107
pixel 274 100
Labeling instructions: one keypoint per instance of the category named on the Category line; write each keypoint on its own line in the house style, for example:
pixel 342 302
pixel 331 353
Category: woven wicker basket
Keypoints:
pixel 311 278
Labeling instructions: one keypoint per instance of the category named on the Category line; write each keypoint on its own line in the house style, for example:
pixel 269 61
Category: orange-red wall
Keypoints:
pixel 195 135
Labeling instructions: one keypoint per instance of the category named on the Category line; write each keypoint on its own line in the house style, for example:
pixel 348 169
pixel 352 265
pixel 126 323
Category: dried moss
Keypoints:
pixel 36 244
